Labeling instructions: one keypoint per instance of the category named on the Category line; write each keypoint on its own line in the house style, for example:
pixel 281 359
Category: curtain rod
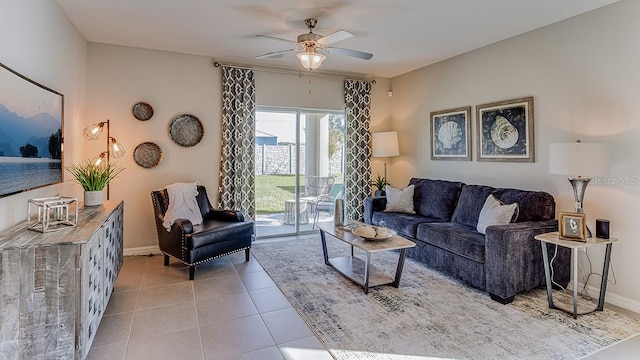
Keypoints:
pixel 289 72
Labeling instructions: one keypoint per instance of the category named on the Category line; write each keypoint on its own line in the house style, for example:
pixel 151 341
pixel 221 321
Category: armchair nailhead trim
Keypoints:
pixel 208 259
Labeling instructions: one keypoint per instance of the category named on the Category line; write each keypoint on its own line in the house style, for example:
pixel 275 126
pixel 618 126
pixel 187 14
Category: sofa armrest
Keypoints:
pixel 513 258
pixel 373 204
pixel 225 215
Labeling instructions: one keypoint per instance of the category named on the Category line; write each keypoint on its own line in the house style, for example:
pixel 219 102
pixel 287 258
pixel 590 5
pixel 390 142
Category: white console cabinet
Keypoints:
pixel 54 287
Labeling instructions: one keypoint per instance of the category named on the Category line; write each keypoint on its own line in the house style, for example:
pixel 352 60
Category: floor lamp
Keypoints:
pixel 114 148
pixel 580 161
pixel 385 144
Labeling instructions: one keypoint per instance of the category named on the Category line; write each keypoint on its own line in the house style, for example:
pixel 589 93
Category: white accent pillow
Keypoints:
pixel 400 200
pixel 494 213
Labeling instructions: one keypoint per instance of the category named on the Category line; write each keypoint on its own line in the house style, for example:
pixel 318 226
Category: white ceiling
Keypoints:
pixel 403 35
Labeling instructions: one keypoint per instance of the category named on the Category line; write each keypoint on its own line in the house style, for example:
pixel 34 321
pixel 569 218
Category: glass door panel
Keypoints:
pixel 322 165
pixel 276 172
pixel 299 169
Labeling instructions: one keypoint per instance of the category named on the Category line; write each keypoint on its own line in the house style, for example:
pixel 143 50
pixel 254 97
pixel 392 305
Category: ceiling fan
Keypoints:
pixel 310 43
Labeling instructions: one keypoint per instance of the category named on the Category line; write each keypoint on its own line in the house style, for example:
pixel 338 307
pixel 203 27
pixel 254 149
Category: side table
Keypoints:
pixel 290 212
pixel 553 238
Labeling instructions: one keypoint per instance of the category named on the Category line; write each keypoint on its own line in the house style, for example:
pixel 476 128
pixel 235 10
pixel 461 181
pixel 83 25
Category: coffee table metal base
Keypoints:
pixel 361 271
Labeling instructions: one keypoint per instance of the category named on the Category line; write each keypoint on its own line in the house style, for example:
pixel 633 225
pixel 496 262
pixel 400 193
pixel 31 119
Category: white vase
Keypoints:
pixel 93 198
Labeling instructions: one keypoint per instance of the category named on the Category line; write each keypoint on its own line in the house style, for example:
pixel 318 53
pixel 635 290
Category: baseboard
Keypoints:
pixel 143 250
pixel 612 298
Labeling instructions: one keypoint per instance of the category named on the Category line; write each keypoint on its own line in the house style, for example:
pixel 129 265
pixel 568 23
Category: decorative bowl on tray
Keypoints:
pixel 374 233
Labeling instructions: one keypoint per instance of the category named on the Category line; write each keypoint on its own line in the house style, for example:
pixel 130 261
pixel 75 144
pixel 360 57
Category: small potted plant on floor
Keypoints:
pixel 93 178
pixel 380 183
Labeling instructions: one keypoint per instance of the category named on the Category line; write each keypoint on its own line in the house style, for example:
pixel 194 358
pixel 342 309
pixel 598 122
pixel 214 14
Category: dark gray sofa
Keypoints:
pixel 504 262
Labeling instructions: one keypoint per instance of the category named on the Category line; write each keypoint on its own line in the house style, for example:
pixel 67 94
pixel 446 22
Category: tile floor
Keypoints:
pixel 232 310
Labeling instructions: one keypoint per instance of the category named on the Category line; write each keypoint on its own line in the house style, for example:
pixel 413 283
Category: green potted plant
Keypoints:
pixel 93 178
pixel 380 183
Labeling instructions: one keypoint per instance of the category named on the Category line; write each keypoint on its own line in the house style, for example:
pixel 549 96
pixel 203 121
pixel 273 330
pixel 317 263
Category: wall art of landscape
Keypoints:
pixel 30 134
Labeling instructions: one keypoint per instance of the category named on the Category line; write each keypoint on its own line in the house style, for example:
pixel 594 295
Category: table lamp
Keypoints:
pixel 385 144
pixel 580 161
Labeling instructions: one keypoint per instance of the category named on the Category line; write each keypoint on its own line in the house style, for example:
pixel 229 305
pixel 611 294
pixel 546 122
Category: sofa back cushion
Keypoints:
pixel 532 205
pixel 435 198
pixel 470 203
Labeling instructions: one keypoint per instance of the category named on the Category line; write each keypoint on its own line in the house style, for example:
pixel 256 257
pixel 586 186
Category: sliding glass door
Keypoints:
pixel 299 168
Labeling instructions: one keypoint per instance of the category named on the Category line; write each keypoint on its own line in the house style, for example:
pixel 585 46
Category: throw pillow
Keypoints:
pixel 494 213
pixel 400 200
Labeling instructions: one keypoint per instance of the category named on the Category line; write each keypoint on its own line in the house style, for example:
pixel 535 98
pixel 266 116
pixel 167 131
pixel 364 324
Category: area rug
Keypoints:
pixel 430 315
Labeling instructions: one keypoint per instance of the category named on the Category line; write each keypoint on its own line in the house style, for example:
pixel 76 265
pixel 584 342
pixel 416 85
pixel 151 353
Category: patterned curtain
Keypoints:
pixel 237 173
pixel 358 176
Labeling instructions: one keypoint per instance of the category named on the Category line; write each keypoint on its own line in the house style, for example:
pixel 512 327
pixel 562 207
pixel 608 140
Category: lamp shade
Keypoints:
pixel 311 60
pixel 100 159
pixel 93 132
pixel 115 148
pixel 579 159
pixel 385 144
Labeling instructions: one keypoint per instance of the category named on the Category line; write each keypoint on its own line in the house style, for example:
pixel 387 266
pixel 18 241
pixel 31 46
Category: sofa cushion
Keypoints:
pixel 400 200
pixel 495 213
pixel 459 239
pixel 404 224
pixel 532 205
pixel 435 198
pixel 471 201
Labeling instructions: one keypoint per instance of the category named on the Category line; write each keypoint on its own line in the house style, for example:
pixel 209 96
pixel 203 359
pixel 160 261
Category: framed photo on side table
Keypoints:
pixel 505 131
pixel 451 134
pixel 572 226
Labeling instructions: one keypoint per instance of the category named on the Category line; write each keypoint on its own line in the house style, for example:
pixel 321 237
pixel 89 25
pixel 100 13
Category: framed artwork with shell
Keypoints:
pixel 451 134
pixel 505 131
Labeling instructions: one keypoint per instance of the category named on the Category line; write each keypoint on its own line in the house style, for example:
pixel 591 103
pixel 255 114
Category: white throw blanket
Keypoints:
pixel 182 204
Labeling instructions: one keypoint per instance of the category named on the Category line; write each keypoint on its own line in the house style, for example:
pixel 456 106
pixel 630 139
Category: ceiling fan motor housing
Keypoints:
pixel 309 37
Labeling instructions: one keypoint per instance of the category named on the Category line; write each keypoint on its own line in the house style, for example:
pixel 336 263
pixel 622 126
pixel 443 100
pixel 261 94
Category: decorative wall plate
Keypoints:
pixel 147 155
pixel 186 130
pixel 142 111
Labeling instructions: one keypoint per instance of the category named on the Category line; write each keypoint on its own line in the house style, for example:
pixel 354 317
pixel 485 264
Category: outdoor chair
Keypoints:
pixel 317 192
pixel 326 204
pixel 317 189
pixel 221 233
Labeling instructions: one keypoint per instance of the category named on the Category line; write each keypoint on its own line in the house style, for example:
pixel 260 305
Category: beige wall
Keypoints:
pixel 584 76
pixel 174 83
pixel 39 42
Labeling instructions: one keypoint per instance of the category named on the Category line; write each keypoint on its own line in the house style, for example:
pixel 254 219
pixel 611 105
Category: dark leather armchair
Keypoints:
pixel 221 233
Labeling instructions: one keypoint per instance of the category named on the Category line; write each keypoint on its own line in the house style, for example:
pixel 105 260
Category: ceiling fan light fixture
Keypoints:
pixel 311 60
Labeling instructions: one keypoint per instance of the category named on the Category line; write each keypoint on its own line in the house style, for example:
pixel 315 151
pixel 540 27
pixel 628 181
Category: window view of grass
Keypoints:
pixel 275 189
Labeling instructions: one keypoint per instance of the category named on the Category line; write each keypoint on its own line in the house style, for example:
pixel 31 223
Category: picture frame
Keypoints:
pixel 572 226
pixel 31 134
pixel 451 134
pixel 505 131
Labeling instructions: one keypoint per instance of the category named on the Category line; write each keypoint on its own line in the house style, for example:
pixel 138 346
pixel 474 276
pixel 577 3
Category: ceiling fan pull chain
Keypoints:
pixel 309 86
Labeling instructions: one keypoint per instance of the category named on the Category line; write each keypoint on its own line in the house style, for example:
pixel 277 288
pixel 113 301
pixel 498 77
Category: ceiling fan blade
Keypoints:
pixel 353 53
pixel 273 55
pixel 276 38
pixel 335 37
